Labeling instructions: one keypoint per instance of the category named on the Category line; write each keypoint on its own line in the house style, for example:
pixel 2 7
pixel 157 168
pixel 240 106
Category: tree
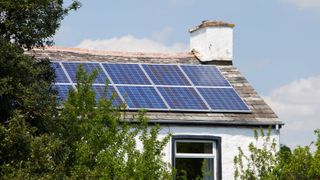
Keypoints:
pixel 32 23
pixel 27 105
pixel 267 163
pixel 103 143
pixel 91 140
pixel 24 155
pixel 315 164
pixel 25 86
pixel 24 81
pixel 261 162
pixel 85 139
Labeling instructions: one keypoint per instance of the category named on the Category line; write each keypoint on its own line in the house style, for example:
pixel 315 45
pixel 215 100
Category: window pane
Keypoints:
pixel 194 168
pixel 194 147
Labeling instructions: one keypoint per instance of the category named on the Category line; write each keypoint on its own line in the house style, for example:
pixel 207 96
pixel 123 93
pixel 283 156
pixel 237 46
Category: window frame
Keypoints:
pixel 216 152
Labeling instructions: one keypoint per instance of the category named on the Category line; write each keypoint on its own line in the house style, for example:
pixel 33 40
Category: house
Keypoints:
pixel 198 96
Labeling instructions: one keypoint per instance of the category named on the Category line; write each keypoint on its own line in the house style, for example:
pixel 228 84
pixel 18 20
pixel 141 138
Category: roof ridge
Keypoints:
pixel 116 53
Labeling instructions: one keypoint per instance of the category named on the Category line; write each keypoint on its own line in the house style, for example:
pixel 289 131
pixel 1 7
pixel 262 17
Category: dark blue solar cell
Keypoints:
pixel 183 98
pixel 62 91
pixel 205 76
pixel 223 99
pixel 126 74
pixel 141 97
pixel 60 76
pixel 166 74
pixel 72 69
pixel 111 93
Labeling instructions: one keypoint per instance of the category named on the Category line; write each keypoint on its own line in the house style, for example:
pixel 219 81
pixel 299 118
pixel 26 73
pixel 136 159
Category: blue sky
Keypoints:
pixel 276 44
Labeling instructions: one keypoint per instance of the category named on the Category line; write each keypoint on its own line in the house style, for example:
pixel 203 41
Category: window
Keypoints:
pixel 197 157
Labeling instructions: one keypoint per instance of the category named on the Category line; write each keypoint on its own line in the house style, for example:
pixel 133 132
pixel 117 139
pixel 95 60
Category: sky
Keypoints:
pixel 276 45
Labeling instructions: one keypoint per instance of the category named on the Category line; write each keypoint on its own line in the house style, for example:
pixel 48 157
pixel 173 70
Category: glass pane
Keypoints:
pixel 194 168
pixel 194 147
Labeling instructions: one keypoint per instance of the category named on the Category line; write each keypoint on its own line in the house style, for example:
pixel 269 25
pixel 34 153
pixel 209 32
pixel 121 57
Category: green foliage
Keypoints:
pixel 24 81
pixel 89 141
pixel 29 147
pixel 25 155
pixel 85 140
pixel 314 171
pixel 32 23
pixel 103 141
pixel 261 162
pixel 265 162
pixel 25 86
pixel 303 163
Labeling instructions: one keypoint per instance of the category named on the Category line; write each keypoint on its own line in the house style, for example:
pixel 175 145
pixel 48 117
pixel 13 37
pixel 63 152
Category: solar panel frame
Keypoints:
pixel 62 90
pixel 112 83
pixel 60 71
pixel 71 74
pixel 144 71
pixel 123 73
pixel 171 95
pixel 167 75
pixel 219 81
pixel 99 92
pixel 71 68
pixel 130 103
pixel 236 95
pixel 208 106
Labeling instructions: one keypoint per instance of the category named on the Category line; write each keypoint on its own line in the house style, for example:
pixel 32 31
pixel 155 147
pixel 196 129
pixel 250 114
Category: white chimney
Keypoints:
pixel 212 41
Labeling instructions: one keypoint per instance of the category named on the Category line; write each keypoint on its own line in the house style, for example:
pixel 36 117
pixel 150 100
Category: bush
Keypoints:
pixel 267 163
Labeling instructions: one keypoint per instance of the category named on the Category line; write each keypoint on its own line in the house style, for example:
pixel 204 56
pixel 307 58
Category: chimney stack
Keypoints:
pixel 212 41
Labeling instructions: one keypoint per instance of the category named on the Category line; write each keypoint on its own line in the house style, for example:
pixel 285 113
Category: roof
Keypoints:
pixel 261 113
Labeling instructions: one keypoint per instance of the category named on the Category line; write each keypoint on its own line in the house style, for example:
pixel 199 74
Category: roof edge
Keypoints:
pixel 113 53
pixel 220 122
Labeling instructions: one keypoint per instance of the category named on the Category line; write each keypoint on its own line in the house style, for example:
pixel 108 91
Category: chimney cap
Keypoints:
pixel 208 23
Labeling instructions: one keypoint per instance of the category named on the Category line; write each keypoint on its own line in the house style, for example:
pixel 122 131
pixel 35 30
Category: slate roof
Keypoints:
pixel 261 115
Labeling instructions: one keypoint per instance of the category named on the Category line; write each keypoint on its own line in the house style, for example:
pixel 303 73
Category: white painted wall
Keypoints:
pixel 213 43
pixel 231 139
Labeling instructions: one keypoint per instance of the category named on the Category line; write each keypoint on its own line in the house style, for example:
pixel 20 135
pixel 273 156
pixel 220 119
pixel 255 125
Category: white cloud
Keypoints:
pixel 298 106
pixel 130 43
pixel 304 4
pixel 163 35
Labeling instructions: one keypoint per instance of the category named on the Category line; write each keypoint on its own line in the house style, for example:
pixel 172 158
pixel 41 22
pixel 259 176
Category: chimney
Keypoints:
pixel 212 41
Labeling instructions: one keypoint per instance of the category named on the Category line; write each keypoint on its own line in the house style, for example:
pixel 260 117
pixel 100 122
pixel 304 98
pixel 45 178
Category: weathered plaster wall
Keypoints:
pixel 231 139
pixel 213 43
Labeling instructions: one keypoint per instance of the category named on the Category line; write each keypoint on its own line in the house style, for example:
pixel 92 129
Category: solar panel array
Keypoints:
pixel 156 87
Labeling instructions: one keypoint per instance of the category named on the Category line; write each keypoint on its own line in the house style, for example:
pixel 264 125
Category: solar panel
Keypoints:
pixel 62 91
pixel 166 74
pixel 100 92
pixel 182 98
pixel 72 69
pixel 205 75
pixel 157 87
pixel 141 97
pixel 126 74
pixel 60 76
pixel 223 99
